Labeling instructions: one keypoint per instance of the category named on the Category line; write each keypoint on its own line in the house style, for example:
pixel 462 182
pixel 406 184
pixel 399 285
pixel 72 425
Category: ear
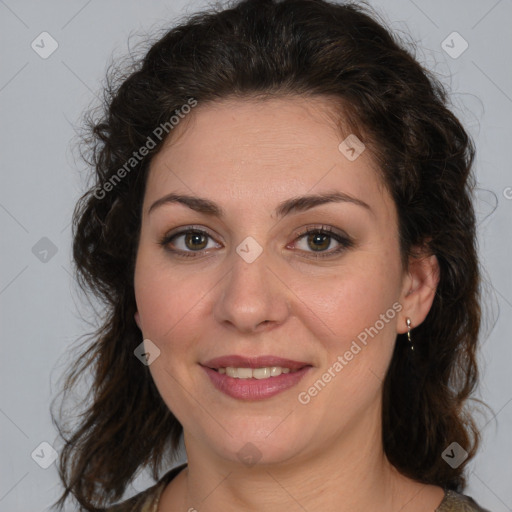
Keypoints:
pixel 137 320
pixel 418 289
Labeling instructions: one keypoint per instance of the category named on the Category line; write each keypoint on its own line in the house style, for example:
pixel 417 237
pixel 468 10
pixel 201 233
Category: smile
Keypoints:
pixel 255 378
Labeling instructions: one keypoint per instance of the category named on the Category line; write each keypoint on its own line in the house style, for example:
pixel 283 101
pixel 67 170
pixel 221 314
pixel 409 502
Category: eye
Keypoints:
pixel 193 242
pixel 319 240
pixel 189 241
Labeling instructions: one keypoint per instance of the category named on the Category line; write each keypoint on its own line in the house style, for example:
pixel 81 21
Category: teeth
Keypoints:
pixel 242 373
pixel 260 373
pixel 256 373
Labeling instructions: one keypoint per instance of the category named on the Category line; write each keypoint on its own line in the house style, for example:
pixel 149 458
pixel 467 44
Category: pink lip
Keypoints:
pixel 254 389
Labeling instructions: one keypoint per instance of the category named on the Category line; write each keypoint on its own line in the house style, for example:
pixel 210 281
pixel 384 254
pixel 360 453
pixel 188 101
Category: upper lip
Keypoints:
pixel 236 361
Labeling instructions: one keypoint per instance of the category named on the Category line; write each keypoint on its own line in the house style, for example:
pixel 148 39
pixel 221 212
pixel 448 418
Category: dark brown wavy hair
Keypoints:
pixel 264 49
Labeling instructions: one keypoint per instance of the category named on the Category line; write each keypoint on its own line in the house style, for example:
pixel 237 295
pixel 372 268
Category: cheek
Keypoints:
pixel 168 306
pixel 355 321
pixel 163 296
pixel 173 305
pixel 350 301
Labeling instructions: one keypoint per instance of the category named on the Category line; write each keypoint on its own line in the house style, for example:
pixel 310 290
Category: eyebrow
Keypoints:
pixel 295 204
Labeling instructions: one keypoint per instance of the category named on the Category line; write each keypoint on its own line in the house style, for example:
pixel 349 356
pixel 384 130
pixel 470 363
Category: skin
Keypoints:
pixel 248 156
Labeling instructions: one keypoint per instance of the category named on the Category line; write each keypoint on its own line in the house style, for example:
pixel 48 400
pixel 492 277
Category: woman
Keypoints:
pixel 282 233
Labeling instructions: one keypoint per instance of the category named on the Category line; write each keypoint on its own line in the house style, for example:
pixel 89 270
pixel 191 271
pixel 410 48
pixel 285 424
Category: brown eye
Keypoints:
pixel 189 242
pixel 196 240
pixel 319 240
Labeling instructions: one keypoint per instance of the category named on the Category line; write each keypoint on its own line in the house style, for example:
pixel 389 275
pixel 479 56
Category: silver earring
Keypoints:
pixel 408 321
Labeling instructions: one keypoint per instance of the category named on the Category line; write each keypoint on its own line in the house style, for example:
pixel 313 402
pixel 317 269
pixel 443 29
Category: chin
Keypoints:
pixel 262 444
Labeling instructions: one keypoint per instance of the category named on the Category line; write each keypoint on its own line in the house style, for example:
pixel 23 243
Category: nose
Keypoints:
pixel 251 296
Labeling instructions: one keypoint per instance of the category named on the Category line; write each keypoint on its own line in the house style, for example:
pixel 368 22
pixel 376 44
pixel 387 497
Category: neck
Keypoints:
pixel 349 474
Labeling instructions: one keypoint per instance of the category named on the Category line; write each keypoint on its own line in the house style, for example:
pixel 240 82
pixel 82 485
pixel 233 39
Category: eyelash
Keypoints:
pixel 344 241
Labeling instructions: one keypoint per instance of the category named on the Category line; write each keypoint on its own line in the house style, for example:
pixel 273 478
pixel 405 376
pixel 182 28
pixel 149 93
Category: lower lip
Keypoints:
pixel 255 389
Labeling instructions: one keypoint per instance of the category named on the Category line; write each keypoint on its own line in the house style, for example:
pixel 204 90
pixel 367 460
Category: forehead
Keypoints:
pixel 261 152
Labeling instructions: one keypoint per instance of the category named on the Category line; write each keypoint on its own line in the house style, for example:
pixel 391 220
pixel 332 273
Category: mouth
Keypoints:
pixel 254 378
pixel 261 367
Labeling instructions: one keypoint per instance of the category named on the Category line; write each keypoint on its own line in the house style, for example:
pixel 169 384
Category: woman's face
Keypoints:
pixel 236 275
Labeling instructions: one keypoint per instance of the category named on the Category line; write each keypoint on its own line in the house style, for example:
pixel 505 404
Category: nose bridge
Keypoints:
pixel 250 295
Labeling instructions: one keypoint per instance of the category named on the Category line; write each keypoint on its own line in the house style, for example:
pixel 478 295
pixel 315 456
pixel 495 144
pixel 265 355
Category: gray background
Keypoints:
pixel 42 99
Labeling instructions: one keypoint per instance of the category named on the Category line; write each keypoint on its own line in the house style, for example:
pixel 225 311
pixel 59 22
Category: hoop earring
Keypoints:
pixel 408 321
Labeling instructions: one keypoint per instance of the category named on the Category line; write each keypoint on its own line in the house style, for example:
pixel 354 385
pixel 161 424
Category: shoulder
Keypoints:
pixel 146 501
pixel 455 502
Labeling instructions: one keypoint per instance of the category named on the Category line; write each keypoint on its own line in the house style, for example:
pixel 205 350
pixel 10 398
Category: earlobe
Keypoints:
pixel 137 320
pixel 419 290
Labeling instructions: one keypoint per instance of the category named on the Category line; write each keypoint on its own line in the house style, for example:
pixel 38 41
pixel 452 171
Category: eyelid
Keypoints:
pixel 180 230
pixel 321 227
